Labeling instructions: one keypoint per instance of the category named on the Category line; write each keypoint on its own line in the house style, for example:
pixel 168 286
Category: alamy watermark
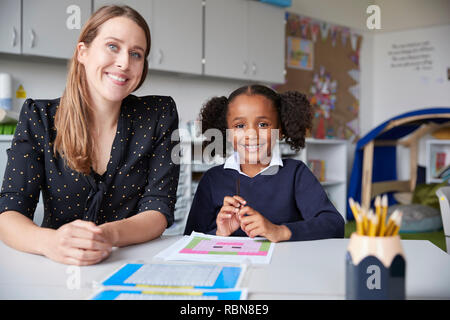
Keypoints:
pixel 253 146
pixel 374 20
pixel 73 21
pixel 73 281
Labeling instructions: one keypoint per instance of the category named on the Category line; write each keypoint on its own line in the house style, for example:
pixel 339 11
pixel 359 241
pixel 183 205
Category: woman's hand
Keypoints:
pixel 255 224
pixel 227 220
pixel 79 243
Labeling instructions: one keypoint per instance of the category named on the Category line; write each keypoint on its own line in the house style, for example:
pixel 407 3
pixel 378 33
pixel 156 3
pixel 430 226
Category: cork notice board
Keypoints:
pixel 322 61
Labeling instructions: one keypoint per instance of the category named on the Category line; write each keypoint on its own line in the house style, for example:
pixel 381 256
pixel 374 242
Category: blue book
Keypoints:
pixel 187 276
pixel 279 3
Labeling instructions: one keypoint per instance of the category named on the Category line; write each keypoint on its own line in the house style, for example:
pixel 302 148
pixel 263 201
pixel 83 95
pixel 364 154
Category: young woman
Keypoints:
pixel 101 156
pixel 256 193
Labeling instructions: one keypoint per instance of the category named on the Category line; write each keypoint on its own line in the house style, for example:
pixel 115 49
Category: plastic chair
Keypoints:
pixel 444 202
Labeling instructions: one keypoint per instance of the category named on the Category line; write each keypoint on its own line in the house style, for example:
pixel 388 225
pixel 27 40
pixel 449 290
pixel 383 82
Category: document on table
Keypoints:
pixel 198 276
pixel 208 248
pixel 167 294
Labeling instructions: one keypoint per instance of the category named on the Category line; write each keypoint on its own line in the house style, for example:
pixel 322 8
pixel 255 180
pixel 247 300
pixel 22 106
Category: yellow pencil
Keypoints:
pixel 373 223
pixel 365 221
pixel 359 227
pixel 353 207
pixel 384 205
pixel 390 224
pixel 378 212
pixel 398 224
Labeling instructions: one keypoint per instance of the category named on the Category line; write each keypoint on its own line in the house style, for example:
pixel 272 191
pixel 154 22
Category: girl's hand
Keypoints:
pixel 79 243
pixel 227 220
pixel 255 224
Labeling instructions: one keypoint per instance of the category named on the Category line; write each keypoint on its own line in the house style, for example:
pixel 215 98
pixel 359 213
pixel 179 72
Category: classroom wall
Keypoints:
pixel 399 15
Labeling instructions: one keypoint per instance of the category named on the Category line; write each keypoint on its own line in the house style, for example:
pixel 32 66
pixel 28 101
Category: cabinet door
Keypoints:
pixel 266 34
pixel 10 26
pixel 144 7
pixel 225 39
pixel 177 36
pixel 51 28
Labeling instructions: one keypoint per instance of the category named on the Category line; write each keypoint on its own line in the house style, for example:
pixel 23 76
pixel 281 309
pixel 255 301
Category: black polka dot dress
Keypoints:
pixel 140 175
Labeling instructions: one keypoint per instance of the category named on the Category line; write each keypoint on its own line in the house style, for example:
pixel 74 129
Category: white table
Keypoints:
pixel 298 270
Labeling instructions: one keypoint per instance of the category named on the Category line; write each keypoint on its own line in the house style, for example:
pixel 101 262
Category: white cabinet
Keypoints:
pixel 266 29
pixel 177 36
pixel 176 29
pixel 226 39
pixel 237 39
pixel 10 26
pixel 144 7
pixel 244 40
pixel 51 28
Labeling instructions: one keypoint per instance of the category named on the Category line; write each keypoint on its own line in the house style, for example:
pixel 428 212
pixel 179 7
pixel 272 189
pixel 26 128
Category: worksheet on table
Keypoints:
pixel 209 248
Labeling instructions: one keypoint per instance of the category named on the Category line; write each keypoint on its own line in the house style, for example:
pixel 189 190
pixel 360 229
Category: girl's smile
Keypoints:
pixel 252 118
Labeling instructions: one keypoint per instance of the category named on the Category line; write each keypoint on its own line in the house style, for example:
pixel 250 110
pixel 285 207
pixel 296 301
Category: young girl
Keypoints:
pixel 255 193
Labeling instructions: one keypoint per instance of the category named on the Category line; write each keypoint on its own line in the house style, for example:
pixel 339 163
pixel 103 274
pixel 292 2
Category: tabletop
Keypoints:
pixel 298 270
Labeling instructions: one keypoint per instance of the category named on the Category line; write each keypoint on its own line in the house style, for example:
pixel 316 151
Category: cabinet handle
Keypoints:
pixel 14 37
pixel 33 38
pixel 254 68
pixel 245 67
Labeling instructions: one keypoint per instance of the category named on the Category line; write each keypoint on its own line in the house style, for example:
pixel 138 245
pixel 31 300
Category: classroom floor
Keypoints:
pixel 437 237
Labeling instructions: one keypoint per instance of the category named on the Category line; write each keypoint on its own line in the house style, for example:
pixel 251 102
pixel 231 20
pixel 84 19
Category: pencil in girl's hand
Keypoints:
pixel 238 187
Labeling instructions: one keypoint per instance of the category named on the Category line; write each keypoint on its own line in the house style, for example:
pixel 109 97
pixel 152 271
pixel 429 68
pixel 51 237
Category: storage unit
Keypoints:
pixel 244 40
pixel 334 153
pixel 176 29
pixel 51 28
pixel 237 39
pixel 11 26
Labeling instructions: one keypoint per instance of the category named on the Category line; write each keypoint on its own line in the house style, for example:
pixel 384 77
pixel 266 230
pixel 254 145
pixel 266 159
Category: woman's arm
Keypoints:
pixel 78 242
pixel 20 233
pixel 142 227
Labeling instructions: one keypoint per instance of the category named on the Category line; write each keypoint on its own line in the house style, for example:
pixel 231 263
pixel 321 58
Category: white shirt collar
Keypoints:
pixel 233 162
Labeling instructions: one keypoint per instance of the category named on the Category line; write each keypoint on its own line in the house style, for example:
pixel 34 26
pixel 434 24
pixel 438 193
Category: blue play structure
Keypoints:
pixel 379 170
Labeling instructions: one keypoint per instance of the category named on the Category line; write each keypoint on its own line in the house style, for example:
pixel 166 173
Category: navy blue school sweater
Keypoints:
pixel 292 197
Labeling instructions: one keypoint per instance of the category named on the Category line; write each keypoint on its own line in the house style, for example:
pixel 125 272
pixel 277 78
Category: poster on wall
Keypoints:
pixel 300 53
pixel 322 61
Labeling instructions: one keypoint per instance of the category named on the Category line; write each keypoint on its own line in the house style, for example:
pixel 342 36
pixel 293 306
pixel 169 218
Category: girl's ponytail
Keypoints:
pixel 213 115
pixel 296 118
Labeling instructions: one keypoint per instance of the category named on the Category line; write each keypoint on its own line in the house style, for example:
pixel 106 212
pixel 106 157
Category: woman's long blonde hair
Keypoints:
pixel 73 116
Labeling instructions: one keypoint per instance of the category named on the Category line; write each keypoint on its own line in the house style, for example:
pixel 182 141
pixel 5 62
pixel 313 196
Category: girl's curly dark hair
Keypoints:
pixel 294 112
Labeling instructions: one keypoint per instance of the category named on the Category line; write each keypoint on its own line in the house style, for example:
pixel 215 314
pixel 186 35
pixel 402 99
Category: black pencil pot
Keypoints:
pixel 375 268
